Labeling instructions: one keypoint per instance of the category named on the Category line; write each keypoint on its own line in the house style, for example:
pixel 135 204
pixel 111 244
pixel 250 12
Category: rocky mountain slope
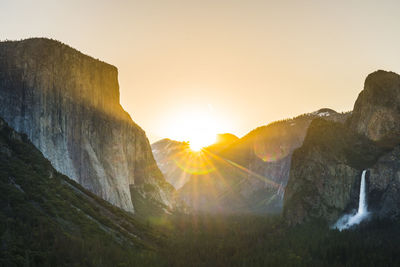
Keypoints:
pixel 238 175
pixel 267 150
pixel 68 105
pixel 325 173
pixel 167 153
pixel 47 219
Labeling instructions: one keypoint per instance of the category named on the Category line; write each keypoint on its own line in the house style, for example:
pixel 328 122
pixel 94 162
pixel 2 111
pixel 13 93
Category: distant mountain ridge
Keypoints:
pixel 223 142
pixel 243 175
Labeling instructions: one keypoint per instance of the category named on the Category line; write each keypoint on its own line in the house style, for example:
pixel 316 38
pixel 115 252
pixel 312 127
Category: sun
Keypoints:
pixel 201 140
pixel 199 127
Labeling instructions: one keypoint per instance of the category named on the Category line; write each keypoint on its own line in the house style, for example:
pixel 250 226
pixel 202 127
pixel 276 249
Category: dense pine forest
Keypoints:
pixel 266 241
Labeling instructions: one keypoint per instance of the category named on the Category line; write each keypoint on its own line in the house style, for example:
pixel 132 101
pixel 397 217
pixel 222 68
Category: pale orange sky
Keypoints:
pixel 246 63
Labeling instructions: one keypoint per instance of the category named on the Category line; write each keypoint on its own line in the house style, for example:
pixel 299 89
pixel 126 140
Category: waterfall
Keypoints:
pixel 362 205
pixel 348 220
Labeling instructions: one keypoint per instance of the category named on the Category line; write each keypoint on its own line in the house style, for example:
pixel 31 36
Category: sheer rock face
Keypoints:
pixel 384 185
pixel 68 105
pixel 326 170
pixel 377 110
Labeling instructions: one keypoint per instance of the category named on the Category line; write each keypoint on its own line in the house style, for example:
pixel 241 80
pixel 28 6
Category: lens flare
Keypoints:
pixel 270 153
pixel 195 163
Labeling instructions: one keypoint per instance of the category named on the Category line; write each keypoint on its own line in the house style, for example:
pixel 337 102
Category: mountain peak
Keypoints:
pixel 376 111
pixel 324 112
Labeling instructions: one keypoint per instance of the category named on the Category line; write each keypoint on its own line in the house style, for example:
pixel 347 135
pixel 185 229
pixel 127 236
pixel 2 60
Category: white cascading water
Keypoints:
pixel 349 220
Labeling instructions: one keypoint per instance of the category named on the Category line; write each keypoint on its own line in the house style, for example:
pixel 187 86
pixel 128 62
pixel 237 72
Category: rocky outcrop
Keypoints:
pixel 377 109
pixel 68 105
pixel 325 173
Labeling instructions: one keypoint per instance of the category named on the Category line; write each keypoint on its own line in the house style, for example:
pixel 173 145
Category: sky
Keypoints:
pixel 234 65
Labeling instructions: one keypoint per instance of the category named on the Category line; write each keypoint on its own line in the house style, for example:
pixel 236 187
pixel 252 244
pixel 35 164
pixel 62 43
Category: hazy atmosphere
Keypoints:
pixel 232 64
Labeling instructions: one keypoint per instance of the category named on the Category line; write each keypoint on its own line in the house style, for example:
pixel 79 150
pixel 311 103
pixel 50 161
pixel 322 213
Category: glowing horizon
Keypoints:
pixel 253 61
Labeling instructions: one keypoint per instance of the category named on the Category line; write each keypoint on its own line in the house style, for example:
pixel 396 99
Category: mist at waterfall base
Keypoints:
pixel 350 220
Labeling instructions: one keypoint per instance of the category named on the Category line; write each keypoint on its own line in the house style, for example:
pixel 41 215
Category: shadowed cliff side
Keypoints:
pixel 46 219
pixel 68 105
pixel 325 173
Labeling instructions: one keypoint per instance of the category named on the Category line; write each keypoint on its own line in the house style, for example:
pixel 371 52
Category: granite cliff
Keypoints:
pixel 67 104
pixel 325 173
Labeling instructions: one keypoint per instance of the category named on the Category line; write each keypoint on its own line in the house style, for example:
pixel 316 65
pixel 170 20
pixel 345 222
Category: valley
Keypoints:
pixel 80 184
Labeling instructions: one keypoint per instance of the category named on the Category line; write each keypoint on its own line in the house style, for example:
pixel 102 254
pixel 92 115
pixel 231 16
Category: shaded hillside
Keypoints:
pixel 223 142
pixel 275 141
pixel 325 174
pixel 46 219
pixel 67 104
